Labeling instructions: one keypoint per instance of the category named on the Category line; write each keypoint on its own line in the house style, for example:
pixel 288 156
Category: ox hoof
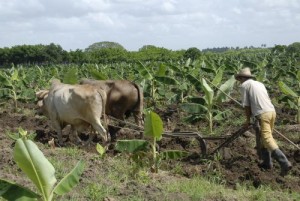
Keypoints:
pixel 109 138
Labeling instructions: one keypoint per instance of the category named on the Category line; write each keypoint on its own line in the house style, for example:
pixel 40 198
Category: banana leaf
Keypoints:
pixel 144 72
pixel 173 154
pixel 225 88
pixel 153 125
pixel 166 80
pixel 100 149
pixel 12 191
pixel 175 68
pixel 286 90
pixel 70 180
pixel 193 108
pixel 71 76
pixel 162 70
pixel 4 80
pixel 36 166
pixel 194 81
pixel 98 75
pixel 218 77
pixel 131 146
pixel 209 93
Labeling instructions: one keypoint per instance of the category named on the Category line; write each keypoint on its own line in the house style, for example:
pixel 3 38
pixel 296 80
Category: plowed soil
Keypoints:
pixel 236 163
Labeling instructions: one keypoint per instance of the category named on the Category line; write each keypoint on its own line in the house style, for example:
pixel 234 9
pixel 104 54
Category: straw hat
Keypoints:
pixel 245 72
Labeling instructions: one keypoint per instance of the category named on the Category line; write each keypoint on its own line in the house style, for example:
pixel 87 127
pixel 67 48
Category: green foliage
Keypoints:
pixel 33 54
pixel 192 53
pixel 292 98
pixel 71 76
pixel 98 75
pixel 15 82
pixel 40 171
pixel 100 149
pixel 20 133
pixel 131 146
pixel 197 110
pixel 139 149
pixel 12 191
pixel 165 79
pixel 104 45
pixel 153 126
pixel 293 48
pixel 70 180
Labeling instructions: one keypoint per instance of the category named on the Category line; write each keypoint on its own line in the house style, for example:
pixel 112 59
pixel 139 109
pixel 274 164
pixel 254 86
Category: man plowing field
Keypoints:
pixel 256 102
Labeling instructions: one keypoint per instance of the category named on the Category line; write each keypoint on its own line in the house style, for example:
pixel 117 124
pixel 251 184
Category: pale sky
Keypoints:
pixel 172 24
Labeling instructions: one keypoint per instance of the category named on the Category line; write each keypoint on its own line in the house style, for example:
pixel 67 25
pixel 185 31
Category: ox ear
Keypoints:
pixel 41 94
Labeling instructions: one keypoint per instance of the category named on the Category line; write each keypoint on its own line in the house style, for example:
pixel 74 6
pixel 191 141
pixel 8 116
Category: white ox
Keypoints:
pixel 80 106
pixel 123 98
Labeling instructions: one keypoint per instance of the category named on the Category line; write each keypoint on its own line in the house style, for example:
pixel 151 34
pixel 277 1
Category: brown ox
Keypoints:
pixel 80 106
pixel 123 98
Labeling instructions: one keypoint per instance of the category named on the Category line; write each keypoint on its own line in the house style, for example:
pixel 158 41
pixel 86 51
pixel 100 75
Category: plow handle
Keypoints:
pixel 232 138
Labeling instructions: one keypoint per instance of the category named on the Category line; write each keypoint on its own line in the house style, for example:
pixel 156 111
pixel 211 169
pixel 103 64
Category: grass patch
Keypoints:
pixel 199 188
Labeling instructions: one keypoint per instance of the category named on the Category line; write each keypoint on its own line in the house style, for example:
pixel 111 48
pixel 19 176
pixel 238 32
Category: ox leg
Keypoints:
pixel 113 132
pixel 58 129
pixel 138 117
pixel 75 137
pixel 101 130
pixel 91 137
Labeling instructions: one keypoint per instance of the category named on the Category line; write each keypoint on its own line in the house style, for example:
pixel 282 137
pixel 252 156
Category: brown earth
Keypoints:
pixel 236 163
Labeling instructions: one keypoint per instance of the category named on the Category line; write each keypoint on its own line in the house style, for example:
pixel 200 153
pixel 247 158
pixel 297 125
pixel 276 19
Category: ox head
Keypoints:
pixel 41 96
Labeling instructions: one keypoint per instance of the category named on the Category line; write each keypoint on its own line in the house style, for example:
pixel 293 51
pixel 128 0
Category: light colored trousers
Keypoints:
pixel 267 121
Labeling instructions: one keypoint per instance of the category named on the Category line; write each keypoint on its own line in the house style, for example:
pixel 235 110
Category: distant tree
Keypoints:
pixel 54 53
pixel 4 56
pixel 78 56
pixel 263 45
pixel 104 45
pixel 293 48
pixel 192 53
pixel 107 55
pixel 278 49
pixel 153 53
pixel 148 47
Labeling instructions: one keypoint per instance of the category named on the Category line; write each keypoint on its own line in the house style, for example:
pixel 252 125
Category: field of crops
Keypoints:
pixel 188 96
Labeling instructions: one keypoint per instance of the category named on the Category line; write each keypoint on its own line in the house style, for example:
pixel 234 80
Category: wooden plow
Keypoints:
pixel 203 148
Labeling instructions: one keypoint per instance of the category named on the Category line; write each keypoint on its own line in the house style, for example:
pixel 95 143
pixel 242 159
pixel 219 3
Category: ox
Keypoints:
pixel 80 106
pixel 123 98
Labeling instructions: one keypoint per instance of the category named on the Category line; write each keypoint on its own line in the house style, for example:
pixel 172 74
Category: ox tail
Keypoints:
pixel 139 107
pixel 104 100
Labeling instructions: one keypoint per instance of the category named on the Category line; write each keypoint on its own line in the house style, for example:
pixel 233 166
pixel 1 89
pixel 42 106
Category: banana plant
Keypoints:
pixel 209 101
pixel 182 74
pixel 144 151
pixel 292 99
pixel 40 171
pixel 154 78
pixel 71 76
pixel 10 81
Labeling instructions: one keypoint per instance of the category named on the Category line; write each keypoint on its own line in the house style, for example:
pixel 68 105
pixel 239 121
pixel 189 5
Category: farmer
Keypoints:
pixel 256 102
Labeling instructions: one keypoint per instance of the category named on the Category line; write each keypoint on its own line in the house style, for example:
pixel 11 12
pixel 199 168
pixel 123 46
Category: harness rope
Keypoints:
pixel 126 123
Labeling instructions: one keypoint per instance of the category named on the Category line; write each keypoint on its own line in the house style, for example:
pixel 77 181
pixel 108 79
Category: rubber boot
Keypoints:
pixel 267 160
pixel 282 160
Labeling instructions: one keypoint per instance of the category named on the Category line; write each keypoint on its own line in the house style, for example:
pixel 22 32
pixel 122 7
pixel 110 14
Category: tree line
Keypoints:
pixel 107 52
